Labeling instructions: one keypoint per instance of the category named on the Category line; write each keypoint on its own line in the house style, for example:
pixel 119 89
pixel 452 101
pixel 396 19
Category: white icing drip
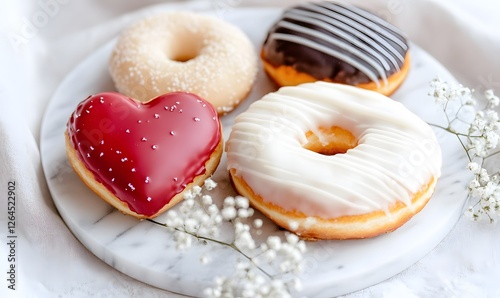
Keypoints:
pixel 397 153
pixel 309 43
pixel 338 28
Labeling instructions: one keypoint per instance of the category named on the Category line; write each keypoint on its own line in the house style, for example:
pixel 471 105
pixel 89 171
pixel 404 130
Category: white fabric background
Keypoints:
pixel 463 35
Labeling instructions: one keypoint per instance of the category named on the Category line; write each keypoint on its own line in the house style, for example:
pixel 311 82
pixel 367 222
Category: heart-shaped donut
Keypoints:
pixel 141 157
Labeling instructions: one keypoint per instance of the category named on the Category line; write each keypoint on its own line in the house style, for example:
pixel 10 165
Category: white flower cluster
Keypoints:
pixel 482 137
pixel 484 129
pixel 270 269
pixel 188 221
pixel 444 93
pixel 285 257
pixel 486 188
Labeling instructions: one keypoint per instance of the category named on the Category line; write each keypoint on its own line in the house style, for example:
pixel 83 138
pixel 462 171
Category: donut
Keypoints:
pixel 338 43
pixel 142 157
pixel 184 51
pixel 333 161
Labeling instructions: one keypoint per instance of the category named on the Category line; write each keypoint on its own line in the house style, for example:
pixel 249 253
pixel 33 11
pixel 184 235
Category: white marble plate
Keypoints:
pixel 146 252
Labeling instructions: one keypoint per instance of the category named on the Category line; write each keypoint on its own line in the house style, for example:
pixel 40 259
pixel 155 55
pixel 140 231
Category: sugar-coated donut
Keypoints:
pixel 335 42
pixel 142 157
pixel 184 51
pixel 332 161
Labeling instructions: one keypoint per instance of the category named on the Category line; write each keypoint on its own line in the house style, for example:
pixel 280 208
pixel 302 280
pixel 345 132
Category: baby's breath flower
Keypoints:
pixel 482 137
pixel 274 242
pixel 206 200
pixel 182 240
pixel 469 213
pixel 190 225
pixel 189 195
pixel 209 184
pixel 493 100
pixel 473 167
pixel 292 238
pixel 492 139
pixel 196 190
pixel 199 217
pixel 212 210
pixel 293 225
pixel 470 102
pixel 270 255
pixel 244 213
pixel 440 90
pixel 491 116
pixel 229 213
pixel 242 202
pixel 242 237
pixel 258 223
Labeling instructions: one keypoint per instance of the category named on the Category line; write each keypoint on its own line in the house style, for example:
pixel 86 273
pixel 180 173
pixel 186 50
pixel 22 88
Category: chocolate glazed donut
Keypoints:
pixel 336 43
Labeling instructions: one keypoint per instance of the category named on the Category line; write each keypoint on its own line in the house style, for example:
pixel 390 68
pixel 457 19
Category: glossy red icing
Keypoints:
pixel 145 153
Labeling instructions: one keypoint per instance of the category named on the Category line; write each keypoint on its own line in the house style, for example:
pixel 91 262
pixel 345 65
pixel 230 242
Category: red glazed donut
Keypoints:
pixel 142 157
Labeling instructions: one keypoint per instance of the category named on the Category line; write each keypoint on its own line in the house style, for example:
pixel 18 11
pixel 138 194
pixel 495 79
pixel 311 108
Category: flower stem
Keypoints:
pixel 457 134
pixel 448 129
pixel 492 154
pixel 231 245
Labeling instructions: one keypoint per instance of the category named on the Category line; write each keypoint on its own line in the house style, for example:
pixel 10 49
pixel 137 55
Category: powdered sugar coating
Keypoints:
pixel 183 51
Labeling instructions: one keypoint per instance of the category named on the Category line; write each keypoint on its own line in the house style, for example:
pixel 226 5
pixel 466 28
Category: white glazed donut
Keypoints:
pixel 183 51
pixel 331 161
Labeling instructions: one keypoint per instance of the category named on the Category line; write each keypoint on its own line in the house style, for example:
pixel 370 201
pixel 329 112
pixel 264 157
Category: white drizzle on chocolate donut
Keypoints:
pixel 340 32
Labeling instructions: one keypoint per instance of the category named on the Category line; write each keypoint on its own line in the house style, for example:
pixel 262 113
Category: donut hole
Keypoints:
pixel 185 51
pixel 333 140
pixel 183 57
